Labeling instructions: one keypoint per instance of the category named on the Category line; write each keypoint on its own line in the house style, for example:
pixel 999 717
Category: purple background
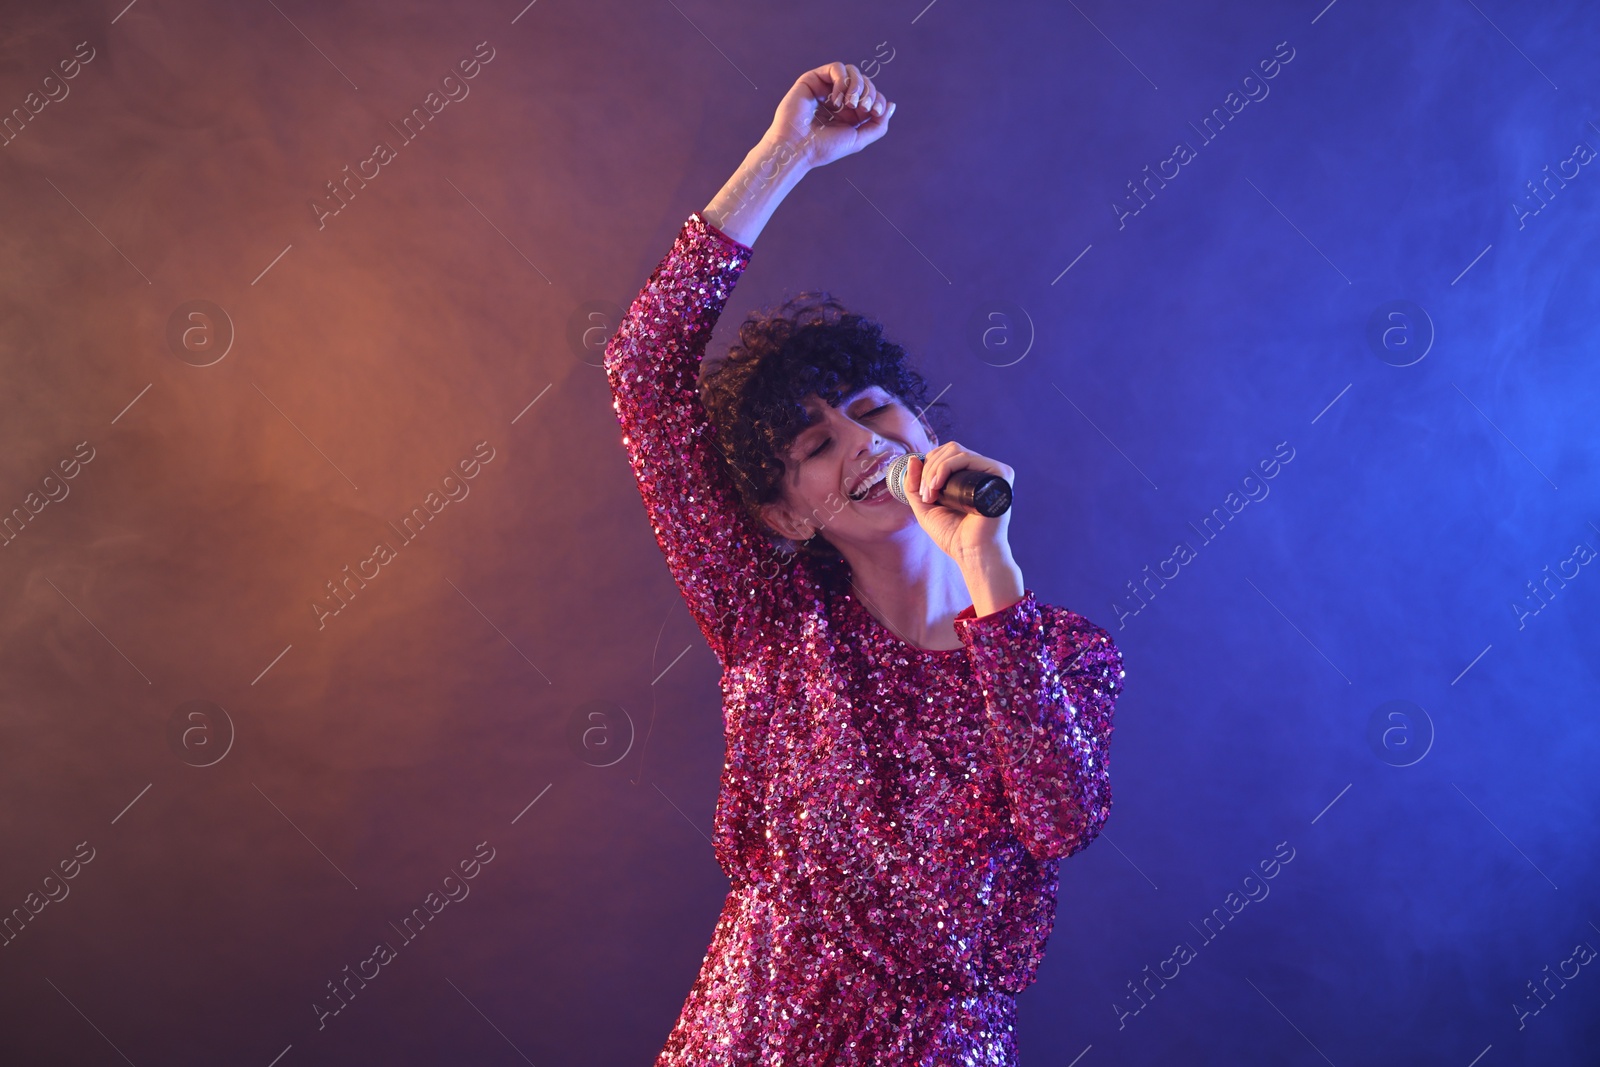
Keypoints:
pixel 1132 392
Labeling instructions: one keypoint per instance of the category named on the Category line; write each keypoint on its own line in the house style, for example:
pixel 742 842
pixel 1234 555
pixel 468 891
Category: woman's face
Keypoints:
pixel 838 454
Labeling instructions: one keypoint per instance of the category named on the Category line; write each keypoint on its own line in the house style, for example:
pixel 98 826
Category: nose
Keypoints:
pixel 870 443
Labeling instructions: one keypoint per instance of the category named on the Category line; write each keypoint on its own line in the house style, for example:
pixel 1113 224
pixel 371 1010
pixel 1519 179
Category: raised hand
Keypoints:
pixel 831 112
pixel 828 113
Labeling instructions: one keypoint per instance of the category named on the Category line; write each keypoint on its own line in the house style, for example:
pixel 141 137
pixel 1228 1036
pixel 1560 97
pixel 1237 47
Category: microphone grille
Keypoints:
pixel 897 475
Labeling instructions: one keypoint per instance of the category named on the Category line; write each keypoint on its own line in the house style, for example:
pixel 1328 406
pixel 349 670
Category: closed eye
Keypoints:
pixel 828 441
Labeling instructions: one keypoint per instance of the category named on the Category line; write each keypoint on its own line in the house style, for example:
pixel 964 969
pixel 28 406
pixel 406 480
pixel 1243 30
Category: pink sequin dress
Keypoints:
pixel 891 817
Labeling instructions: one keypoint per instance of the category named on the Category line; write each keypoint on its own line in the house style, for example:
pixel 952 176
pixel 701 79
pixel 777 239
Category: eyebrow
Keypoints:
pixel 814 419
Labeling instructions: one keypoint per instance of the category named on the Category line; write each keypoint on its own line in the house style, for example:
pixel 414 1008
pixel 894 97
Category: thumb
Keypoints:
pixel 874 127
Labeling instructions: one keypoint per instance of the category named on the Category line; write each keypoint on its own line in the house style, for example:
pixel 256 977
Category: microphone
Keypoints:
pixel 971 491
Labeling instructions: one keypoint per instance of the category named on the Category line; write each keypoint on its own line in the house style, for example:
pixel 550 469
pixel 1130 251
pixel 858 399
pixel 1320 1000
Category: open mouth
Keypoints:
pixel 877 493
pixel 875 486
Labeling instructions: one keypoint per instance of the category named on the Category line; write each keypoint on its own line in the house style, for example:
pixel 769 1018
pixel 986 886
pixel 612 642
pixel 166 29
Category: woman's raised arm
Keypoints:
pixel 720 559
pixel 723 563
pixel 828 113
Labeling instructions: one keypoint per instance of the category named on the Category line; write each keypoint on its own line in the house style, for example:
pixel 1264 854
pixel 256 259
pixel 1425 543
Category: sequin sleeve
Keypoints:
pixel 1050 679
pixel 721 562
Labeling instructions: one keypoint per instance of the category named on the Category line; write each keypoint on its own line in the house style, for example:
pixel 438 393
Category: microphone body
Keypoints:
pixel 971 491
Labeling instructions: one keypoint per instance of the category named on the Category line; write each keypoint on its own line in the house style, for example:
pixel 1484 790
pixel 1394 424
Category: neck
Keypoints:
pixel 911 586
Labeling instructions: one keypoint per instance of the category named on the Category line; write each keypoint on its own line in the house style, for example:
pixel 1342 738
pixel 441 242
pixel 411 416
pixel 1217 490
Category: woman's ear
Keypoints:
pixel 781 518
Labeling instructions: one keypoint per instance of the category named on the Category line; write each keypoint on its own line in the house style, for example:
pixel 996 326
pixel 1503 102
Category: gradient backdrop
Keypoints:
pixel 1373 273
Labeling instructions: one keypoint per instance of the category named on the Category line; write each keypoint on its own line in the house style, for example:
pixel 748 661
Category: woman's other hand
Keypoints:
pixel 831 112
pixel 980 545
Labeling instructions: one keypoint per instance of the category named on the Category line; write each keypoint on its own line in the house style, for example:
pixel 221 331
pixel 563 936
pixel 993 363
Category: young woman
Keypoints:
pixel 914 741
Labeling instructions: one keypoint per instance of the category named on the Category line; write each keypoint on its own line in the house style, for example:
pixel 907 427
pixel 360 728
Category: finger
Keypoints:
pixel 866 95
pixel 940 452
pixel 837 79
pixel 853 94
pixel 818 86
pixel 914 488
pixel 869 94
pixel 969 457
pixel 913 484
pixel 965 459
pixel 872 127
pixel 932 477
pixel 949 458
pixel 815 83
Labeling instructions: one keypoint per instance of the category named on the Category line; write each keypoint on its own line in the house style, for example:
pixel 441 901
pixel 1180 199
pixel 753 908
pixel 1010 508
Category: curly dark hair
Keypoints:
pixel 753 397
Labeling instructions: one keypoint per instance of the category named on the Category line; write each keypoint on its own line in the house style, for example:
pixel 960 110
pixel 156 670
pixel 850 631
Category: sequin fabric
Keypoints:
pixel 891 817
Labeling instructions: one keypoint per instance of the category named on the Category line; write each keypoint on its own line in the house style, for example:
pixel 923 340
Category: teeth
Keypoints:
pixel 866 487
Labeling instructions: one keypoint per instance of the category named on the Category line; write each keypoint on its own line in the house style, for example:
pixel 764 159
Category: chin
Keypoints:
pixel 894 518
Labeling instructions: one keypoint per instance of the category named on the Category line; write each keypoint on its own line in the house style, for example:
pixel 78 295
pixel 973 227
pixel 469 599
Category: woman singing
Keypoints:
pixel 914 741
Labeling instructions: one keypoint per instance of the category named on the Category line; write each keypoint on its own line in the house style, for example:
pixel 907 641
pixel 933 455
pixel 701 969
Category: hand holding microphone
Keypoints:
pixel 966 489
pixel 968 517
